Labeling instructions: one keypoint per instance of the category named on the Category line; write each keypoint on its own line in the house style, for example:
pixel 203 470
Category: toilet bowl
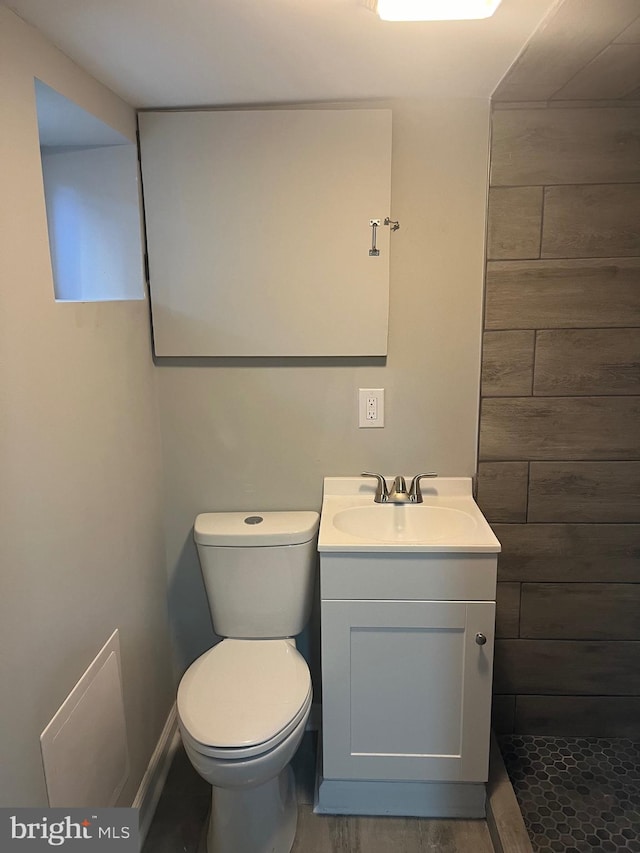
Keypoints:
pixel 242 709
pixel 244 704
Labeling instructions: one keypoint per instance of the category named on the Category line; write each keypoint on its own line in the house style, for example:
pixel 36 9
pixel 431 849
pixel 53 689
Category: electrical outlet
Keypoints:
pixel 370 407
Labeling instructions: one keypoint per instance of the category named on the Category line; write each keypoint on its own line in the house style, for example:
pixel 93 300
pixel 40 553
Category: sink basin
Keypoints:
pixel 405 523
pixel 448 520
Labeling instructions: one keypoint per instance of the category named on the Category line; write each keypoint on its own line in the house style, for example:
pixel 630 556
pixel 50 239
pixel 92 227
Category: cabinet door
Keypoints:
pixel 258 228
pixel 406 690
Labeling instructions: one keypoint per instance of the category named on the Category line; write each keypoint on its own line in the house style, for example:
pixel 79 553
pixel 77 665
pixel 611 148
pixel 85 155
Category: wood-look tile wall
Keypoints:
pixel 559 472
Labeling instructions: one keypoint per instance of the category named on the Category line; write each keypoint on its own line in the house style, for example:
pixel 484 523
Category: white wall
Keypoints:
pixel 261 434
pixel 81 545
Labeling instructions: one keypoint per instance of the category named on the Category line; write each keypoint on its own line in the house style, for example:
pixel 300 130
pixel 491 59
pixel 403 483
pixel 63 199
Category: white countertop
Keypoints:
pixel 447 521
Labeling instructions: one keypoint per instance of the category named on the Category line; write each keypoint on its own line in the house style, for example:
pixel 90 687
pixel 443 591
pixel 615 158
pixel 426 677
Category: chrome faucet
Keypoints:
pixel 398 493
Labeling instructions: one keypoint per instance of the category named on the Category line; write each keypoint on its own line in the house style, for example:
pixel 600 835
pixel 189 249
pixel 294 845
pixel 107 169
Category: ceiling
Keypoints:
pixel 178 53
pixel 584 50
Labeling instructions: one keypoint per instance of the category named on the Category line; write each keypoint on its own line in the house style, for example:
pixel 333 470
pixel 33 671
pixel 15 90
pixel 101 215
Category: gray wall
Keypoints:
pixel 81 544
pixel 261 434
pixel 559 472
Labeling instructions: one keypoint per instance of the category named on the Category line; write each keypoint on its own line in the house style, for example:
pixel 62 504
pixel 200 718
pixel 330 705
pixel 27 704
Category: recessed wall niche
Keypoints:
pixel 90 177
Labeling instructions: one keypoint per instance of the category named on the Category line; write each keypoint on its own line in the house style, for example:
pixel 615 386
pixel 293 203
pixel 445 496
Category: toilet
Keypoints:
pixel 244 704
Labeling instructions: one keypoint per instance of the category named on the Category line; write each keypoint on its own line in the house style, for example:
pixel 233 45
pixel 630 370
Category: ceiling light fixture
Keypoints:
pixel 433 10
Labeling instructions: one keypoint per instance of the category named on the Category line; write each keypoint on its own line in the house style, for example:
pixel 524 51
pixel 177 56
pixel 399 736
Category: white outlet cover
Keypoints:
pixel 364 395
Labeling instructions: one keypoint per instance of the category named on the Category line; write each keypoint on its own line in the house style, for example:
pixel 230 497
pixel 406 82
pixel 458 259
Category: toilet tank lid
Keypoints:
pixel 253 529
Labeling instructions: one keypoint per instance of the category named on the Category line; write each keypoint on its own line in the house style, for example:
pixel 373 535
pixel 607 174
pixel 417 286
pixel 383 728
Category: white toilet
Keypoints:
pixel 244 704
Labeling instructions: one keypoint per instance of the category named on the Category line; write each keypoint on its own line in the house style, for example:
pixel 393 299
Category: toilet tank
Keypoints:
pixel 258 570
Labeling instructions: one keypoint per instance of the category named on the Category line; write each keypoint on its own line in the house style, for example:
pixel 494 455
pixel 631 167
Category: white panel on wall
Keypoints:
pixel 84 747
pixel 258 227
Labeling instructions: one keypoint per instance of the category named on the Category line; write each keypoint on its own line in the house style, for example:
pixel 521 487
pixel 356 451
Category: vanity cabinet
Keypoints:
pixel 406 689
pixel 260 226
pixel 407 654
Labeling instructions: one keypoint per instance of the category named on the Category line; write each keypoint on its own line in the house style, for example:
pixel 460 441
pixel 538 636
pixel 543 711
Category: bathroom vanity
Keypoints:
pixel 408 610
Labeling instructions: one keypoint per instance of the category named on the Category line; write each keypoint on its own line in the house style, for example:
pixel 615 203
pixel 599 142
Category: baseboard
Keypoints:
pixel 146 800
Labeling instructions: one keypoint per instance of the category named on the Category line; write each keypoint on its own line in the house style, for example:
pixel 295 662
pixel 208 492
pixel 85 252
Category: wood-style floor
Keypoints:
pixel 331 834
pixel 180 822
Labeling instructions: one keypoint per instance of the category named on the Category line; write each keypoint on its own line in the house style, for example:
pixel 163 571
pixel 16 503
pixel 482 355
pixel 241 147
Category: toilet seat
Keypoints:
pixel 255 751
pixel 243 697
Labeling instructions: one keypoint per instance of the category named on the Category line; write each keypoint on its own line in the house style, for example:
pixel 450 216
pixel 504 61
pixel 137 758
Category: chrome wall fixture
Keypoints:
pixel 374 224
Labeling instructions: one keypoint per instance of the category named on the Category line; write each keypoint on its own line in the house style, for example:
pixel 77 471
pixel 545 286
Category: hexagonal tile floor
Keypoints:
pixel 576 795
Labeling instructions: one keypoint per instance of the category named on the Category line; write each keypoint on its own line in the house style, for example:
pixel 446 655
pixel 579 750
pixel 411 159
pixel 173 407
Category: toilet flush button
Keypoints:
pixel 253 519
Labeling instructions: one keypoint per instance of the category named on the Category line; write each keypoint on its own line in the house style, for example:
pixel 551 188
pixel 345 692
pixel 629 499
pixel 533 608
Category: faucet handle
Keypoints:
pixel 382 493
pixel 415 494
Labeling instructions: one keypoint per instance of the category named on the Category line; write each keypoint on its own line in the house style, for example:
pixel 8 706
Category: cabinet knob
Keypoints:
pixel 480 639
